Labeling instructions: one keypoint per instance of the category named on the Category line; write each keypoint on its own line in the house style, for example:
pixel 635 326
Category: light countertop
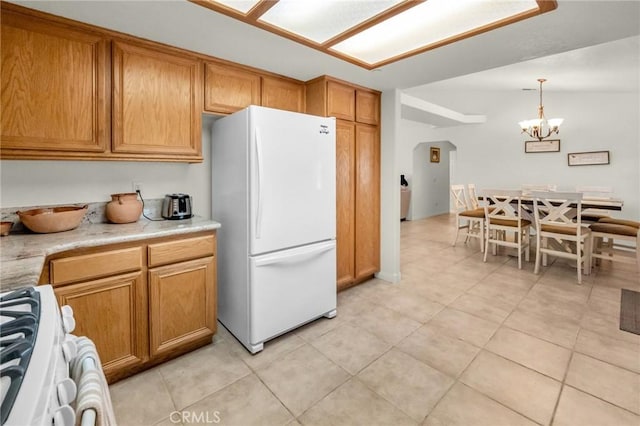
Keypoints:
pixel 22 255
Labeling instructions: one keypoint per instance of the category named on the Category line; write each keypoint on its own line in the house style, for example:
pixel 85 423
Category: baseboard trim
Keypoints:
pixel 393 278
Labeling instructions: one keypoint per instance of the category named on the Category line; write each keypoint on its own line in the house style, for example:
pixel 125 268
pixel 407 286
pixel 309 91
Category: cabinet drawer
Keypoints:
pixel 95 265
pixel 177 251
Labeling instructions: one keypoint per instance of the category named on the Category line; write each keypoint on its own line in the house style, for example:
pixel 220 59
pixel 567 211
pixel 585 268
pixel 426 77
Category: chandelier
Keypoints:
pixel 541 128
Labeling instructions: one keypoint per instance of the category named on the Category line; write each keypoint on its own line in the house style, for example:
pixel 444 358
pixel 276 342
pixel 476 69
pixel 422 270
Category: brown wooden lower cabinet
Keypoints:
pixel 182 307
pixel 113 311
pixel 137 318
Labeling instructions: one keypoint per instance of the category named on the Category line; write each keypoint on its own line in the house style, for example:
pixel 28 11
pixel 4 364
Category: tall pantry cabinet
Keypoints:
pixel 357 111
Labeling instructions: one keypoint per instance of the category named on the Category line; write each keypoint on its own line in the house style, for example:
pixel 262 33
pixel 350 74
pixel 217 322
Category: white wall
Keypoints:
pixel 389 188
pixel 430 189
pixel 492 154
pixel 33 183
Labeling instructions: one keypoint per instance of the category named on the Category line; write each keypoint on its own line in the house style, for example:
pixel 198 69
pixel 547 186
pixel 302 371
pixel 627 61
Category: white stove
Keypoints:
pixel 36 352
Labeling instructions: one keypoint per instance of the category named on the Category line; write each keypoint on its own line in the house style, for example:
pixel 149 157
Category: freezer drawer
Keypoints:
pixel 289 288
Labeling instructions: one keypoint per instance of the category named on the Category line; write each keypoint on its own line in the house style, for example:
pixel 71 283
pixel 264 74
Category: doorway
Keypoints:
pixel 433 164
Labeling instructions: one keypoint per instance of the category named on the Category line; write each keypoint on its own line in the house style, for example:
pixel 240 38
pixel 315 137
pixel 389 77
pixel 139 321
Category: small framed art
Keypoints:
pixel 434 155
pixel 552 145
pixel 588 158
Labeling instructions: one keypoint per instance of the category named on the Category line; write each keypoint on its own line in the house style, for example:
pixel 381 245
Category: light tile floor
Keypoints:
pixel 456 342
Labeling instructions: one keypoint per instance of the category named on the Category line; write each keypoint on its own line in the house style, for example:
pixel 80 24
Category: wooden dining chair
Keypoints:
pixel 618 221
pixel 622 241
pixel 528 188
pixel 560 231
pixel 596 193
pixel 472 221
pixel 473 196
pixel 503 212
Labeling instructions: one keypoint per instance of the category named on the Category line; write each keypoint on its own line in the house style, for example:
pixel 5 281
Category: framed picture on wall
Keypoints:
pixel 552 145
pixel 434 155
pixel 588 158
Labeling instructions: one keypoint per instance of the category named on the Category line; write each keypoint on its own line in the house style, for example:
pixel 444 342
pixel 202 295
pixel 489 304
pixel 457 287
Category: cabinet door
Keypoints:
pixel 54 87
pixel 341 101
pixel 367 107
pixel 367 210
pixel 228 89
pixel 182 304
pixel 283 94
pixel 345 201
pixel 157 102
pixel 113 313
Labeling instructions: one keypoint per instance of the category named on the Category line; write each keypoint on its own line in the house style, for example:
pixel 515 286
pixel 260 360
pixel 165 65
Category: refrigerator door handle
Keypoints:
pixel 260 184
pixel 301 256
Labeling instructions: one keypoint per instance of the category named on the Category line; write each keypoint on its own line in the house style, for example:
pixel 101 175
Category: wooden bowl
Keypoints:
pixel 5 228
pixel 56 219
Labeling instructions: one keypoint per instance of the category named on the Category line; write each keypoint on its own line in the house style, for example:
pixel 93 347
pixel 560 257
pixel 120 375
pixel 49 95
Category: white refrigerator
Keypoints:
pixel 274 192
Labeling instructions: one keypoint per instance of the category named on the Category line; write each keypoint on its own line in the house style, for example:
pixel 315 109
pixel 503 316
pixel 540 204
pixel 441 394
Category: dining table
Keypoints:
pixel 588 202
pixel 600 203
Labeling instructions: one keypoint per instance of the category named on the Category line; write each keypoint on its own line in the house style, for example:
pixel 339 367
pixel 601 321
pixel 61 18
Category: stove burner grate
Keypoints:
pixel 19 314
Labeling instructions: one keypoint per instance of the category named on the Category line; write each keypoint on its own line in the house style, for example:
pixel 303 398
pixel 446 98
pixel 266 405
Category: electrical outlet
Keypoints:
pixel 136 186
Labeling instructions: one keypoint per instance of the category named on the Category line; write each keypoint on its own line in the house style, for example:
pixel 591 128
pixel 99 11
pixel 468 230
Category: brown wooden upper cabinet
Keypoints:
pixel 367 107
pixel 329 97
pixel 283 93
pixel 54 88
pixel 157 102
pixel 74 91
pixel 341 101
pixel 228 88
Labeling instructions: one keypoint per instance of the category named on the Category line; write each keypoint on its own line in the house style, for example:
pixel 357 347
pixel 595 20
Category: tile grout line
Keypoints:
pixel 584 311
pixel 501 324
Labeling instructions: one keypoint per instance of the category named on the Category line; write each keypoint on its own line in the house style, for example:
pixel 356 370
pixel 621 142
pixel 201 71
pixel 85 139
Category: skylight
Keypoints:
pixel 372 33
pixel 320 20
pixel 242 6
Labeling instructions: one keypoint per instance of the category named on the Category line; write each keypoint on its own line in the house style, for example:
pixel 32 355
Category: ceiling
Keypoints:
pixel 608 67
pixel 613 67
pixel 510 57
pixel 374 33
